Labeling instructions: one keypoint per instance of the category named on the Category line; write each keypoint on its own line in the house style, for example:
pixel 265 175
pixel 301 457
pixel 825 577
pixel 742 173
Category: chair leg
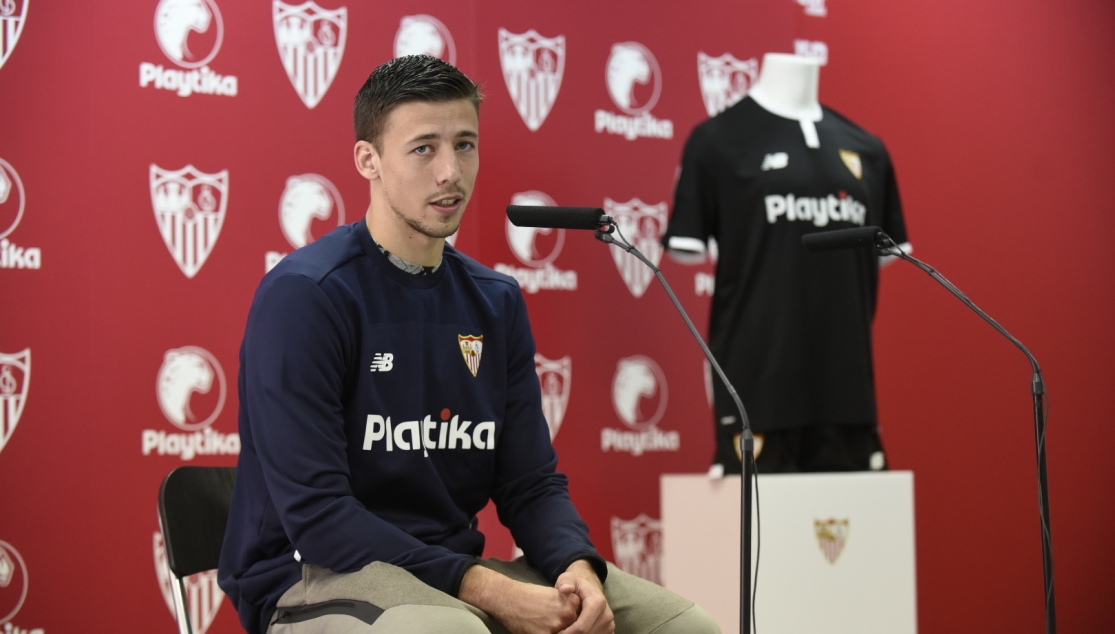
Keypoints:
pixel 181 609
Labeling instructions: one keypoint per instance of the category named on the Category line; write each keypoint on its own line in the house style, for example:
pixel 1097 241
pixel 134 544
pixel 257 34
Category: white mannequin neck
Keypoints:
pixel 787 87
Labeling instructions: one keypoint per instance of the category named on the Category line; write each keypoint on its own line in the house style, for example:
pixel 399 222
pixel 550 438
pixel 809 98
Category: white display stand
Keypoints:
pixel 869 585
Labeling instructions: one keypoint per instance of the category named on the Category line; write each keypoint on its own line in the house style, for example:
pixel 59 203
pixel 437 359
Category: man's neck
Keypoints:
pixel 392 233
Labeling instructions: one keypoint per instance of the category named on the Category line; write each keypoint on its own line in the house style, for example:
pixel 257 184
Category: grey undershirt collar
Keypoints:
pixel 409 267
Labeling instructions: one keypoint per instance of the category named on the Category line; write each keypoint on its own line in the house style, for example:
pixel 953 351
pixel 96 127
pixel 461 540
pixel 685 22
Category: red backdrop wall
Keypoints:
pixel 994 114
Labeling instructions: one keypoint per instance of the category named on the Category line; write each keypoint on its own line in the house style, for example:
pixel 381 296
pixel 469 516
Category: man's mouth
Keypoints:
pixel 447 202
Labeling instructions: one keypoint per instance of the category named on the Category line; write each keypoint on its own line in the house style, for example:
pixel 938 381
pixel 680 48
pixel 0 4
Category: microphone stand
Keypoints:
pixel 884 245
pixel 747 440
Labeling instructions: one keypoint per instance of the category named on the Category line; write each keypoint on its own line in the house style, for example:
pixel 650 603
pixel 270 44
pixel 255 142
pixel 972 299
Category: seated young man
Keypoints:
pixel 387 392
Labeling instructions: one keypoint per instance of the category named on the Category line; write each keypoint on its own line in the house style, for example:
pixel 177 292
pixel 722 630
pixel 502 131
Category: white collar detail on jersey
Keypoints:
pixel 787 87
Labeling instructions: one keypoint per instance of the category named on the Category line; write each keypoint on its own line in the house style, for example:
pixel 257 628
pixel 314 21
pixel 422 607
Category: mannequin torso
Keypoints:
pixel 788 87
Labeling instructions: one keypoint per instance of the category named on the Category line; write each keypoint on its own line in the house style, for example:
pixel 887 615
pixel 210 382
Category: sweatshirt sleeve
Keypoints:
pixel 531 497
pixel 296 351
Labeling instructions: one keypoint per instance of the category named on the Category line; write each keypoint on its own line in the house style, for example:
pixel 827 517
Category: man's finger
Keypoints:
pixel 595 614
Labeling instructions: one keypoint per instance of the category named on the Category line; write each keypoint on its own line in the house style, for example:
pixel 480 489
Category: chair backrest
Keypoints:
pixel 193 509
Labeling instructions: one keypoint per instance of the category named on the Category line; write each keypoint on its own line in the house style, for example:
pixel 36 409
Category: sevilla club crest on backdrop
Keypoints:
pixel 15 378
pixel 637 546
pixel 13 14
pixel 556 377
pixel 724 80
pixel 642 225
pixel 311 43
pixel 532 69
pixel 203 595
pixel 811 48
pixel 425 35
pixel 189 208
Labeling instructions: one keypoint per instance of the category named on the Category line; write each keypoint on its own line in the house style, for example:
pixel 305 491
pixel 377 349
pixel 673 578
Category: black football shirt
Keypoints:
pixel 791 328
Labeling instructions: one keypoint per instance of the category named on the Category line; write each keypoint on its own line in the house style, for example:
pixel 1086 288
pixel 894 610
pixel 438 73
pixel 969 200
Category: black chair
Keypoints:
pixel 193 511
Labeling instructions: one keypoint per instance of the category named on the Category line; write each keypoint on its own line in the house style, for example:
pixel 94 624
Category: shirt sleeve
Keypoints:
pixel 296 351
pixel 694 216
pixel 531 497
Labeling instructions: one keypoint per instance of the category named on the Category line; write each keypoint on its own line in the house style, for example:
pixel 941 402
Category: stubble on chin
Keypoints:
pixel 441 231
pixel 444 231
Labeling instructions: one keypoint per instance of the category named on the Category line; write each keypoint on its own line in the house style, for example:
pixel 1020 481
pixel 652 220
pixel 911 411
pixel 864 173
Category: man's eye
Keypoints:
pixel 423 149
pixel 466 145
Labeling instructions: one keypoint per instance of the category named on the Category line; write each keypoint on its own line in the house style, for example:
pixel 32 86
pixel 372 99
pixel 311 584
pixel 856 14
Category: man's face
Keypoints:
pixel 428 164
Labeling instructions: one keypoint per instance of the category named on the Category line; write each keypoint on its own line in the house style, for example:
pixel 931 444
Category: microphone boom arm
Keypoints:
pixel 884 245
pixel 747 440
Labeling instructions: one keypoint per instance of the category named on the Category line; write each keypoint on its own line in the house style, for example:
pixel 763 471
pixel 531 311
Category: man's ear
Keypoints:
pixel 367 160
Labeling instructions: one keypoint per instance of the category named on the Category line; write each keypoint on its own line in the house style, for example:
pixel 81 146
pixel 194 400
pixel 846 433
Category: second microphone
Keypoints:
pixel 590 218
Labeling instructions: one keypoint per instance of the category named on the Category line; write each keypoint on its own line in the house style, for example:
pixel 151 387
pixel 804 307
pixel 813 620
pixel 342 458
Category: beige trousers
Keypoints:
pixel 381 598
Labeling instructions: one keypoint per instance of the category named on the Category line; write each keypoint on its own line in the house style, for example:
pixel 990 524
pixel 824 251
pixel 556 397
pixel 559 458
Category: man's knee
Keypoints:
pixel 693 621
pixel 428 619
pixel 355 617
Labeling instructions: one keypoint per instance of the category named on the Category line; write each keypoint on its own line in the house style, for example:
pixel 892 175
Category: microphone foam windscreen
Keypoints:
pixel 555 217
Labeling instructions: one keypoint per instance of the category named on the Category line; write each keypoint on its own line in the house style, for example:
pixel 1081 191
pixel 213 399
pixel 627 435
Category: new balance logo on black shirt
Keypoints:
pixel 383 362
pixel 775 161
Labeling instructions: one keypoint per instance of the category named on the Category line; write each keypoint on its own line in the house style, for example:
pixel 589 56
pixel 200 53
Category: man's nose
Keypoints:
pixel 448 169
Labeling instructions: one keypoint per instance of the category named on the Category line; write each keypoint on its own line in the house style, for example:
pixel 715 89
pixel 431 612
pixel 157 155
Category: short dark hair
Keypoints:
pixel 406 79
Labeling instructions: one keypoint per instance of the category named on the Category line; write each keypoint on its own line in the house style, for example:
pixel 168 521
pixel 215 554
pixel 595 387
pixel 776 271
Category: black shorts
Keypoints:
pixel 815 448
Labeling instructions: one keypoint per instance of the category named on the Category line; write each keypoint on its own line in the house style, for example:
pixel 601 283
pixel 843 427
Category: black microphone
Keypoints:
pixel 842 238
pixel 557 217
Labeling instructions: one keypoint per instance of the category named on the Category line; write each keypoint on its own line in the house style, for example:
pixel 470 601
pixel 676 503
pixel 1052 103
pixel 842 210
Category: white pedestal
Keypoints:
pixel 807 581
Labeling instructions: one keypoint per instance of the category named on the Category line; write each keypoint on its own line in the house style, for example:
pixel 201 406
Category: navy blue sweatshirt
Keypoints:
pixel 379 412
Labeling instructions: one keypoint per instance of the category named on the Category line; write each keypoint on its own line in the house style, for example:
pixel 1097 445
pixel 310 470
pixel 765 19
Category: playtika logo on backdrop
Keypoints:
pixel 634 82
pixel 305 198
pixel 639 396
pixel 425 35
pixel 13 203
pixel 190 34
pixel 537 248
pixel 186 380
